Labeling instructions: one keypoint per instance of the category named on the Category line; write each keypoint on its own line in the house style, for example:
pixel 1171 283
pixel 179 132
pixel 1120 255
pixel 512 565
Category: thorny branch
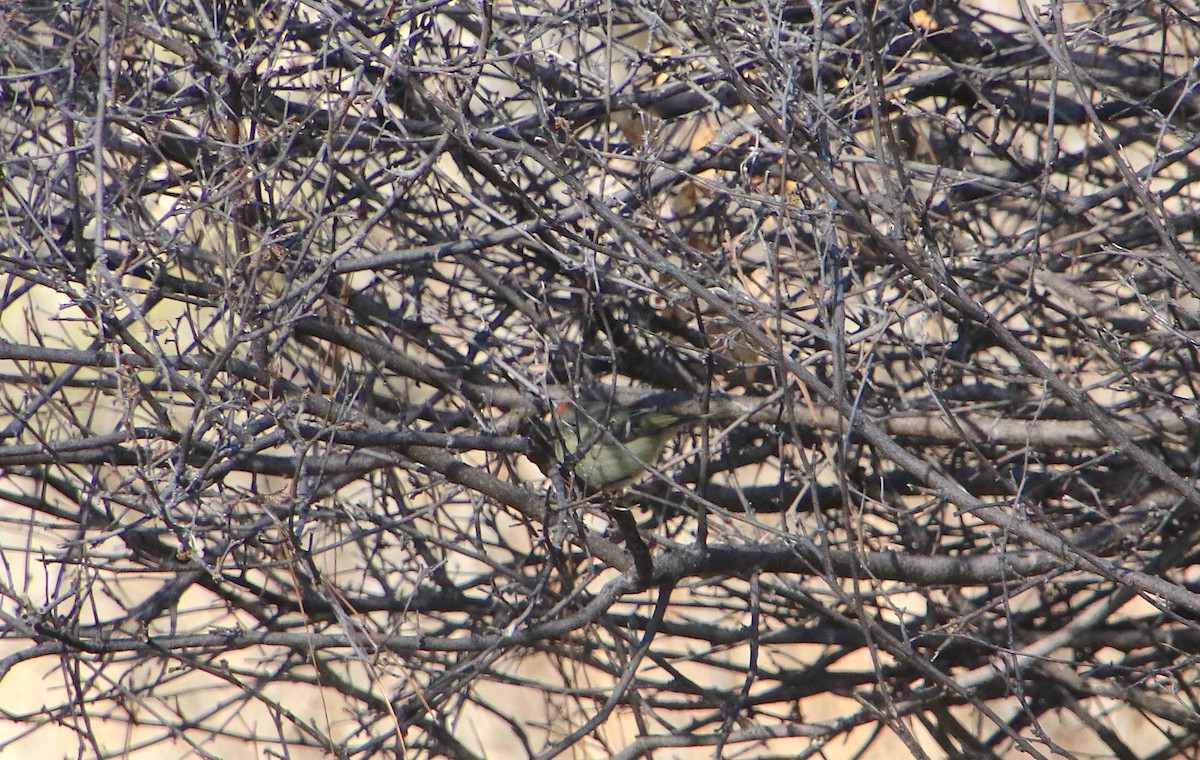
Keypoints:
pixel 289 287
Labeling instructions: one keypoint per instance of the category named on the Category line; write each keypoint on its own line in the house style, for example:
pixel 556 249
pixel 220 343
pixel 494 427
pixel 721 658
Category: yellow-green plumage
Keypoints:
pixel 609 446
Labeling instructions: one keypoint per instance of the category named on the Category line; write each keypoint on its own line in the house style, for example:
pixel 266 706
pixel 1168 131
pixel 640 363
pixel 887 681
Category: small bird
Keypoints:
pixel 608 445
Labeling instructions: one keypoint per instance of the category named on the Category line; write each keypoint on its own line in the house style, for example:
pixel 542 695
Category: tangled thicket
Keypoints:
pixel 286 284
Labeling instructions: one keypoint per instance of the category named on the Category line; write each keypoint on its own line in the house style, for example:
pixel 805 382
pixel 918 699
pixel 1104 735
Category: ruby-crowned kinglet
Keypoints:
pixel 608 445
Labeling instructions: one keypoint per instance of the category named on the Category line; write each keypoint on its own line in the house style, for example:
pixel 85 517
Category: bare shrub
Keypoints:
pixel 288 286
